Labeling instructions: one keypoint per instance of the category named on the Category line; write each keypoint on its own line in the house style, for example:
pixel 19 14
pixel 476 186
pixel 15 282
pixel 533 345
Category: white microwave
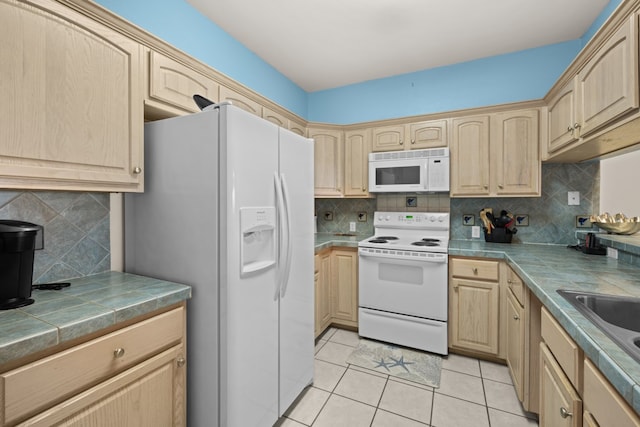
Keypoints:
pixel 409 171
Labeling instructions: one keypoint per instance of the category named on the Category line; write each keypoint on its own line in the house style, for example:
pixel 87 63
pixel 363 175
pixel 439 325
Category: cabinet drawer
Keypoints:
pixel 474 269
pixel 38 385
pixel 604 402
pixel 564 349
pixel 516 285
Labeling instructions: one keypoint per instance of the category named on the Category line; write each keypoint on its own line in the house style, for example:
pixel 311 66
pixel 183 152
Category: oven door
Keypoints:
pixel 414 283
pixel 404 175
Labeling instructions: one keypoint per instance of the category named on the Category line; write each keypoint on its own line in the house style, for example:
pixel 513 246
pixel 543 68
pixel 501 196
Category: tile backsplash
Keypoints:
pixel 551 219
pixel 76 231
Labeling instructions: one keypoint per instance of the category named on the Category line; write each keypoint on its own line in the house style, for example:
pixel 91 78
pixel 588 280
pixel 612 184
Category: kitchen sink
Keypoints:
pixel 617 316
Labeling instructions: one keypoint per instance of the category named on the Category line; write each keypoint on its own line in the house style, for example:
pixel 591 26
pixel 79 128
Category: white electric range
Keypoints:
pixel 403 273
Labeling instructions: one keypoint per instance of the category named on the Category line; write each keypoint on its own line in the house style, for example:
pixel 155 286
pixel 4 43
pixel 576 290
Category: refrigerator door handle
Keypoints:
pixel 287 228
pixel 280 214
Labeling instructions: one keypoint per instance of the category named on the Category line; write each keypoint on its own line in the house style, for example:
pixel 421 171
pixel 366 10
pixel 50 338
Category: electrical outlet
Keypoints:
pixel 475 231
pixel 612 253
pixel 352 226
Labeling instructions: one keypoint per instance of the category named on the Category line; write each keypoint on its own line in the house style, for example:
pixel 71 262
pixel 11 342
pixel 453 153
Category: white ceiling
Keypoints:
pixel 322 44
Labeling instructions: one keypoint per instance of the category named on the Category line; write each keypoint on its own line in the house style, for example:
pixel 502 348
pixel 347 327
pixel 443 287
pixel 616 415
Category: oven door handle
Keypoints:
pixel 434 257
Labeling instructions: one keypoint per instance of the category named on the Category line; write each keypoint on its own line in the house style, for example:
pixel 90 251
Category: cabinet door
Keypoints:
pixel 150 394
pixel 173 85
pixel 515 343
pixel 515 153
pixel 274 117
pixel 560 405
pixel 608 83
pixel 344 284
pixel 357 147
pixel 562 117
pixel 474 315
pixel 72 104
pixel 323 297
pixel 429 134
pixel 240 101
pixel 470 156
pixel 298 128
pixel 329 164
pixel 388 138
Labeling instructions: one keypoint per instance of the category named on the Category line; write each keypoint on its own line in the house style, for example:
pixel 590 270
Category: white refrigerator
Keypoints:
pixel 228 209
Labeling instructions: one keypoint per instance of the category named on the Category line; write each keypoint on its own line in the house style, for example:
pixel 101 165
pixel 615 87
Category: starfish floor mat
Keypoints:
pixel 398 362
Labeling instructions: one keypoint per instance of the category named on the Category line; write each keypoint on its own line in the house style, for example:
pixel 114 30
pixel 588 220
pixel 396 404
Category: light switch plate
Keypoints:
pixel 475 231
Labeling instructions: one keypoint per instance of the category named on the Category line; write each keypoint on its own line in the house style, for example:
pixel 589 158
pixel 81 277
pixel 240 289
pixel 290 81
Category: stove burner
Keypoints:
pixel 377 241
pixel 430 239
pixel 386 237
pixel 425 243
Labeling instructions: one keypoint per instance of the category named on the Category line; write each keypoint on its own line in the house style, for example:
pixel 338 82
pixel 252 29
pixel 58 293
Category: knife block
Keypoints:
pixel 498 235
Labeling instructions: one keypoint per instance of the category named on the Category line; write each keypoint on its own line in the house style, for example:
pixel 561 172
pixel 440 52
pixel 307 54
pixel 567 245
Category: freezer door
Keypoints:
pixel 249 308
pixel 297 293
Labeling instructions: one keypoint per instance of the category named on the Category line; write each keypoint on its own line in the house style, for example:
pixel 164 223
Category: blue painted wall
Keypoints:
pixel 179 24
pixel 519 76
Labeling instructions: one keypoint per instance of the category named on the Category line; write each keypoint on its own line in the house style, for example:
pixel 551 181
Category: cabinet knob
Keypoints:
pixel 509 281
pixel 576 126
pixel 475 270
pixel 118 353
pixel 516 317
pixel 500 186
pixel 564 413
pixel 570 129
pixel 137 170
pixel 485 186
pixel 364 190
pixel 181 362
pixel 413 141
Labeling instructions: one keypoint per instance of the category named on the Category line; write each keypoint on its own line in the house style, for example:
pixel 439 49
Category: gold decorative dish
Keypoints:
pixel 618 224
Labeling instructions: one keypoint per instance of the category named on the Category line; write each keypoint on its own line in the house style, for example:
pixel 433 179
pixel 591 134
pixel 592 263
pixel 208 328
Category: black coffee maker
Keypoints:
pixel 18 241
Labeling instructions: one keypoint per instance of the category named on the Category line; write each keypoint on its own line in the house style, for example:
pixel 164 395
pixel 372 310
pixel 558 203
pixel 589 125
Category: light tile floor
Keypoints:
pixel 472 392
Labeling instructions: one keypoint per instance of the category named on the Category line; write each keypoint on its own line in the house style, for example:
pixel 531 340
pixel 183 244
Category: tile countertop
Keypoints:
pixel 91 303
pixel 328 240
pixel 546 268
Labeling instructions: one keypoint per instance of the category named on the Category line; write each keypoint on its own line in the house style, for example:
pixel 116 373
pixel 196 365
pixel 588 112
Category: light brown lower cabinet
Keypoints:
pixel 515 342
pixel 134 376
pixel 336 289
pixel 322 293
pixel 560 404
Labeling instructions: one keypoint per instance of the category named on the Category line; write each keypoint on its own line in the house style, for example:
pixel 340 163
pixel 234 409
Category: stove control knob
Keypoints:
pixel 441 218
pixel 432 218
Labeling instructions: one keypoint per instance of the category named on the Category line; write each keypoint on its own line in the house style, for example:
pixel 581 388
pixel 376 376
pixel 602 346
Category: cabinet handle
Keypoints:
pixel 118 353
pixel 475 270
pixel 564 413
pixel 485 186
pixel 137 170
pixel 516 317
pixel 364 190
pixel 500 186
pixel 181 362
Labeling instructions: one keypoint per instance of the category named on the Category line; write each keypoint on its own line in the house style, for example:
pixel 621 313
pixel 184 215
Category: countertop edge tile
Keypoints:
pixel 42 330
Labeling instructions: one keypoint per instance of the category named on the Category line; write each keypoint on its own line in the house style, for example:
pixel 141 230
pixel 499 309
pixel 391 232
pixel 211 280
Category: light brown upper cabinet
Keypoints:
pixel 470 156
pixel 171 85
pixel 328 161
pixel 603 91
pixel 275 117
pixel 389 138
pixel 240 100
pixel 411 136
pixel 357 147
pixel 496 155
pixel 72 104
pixel 298 128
